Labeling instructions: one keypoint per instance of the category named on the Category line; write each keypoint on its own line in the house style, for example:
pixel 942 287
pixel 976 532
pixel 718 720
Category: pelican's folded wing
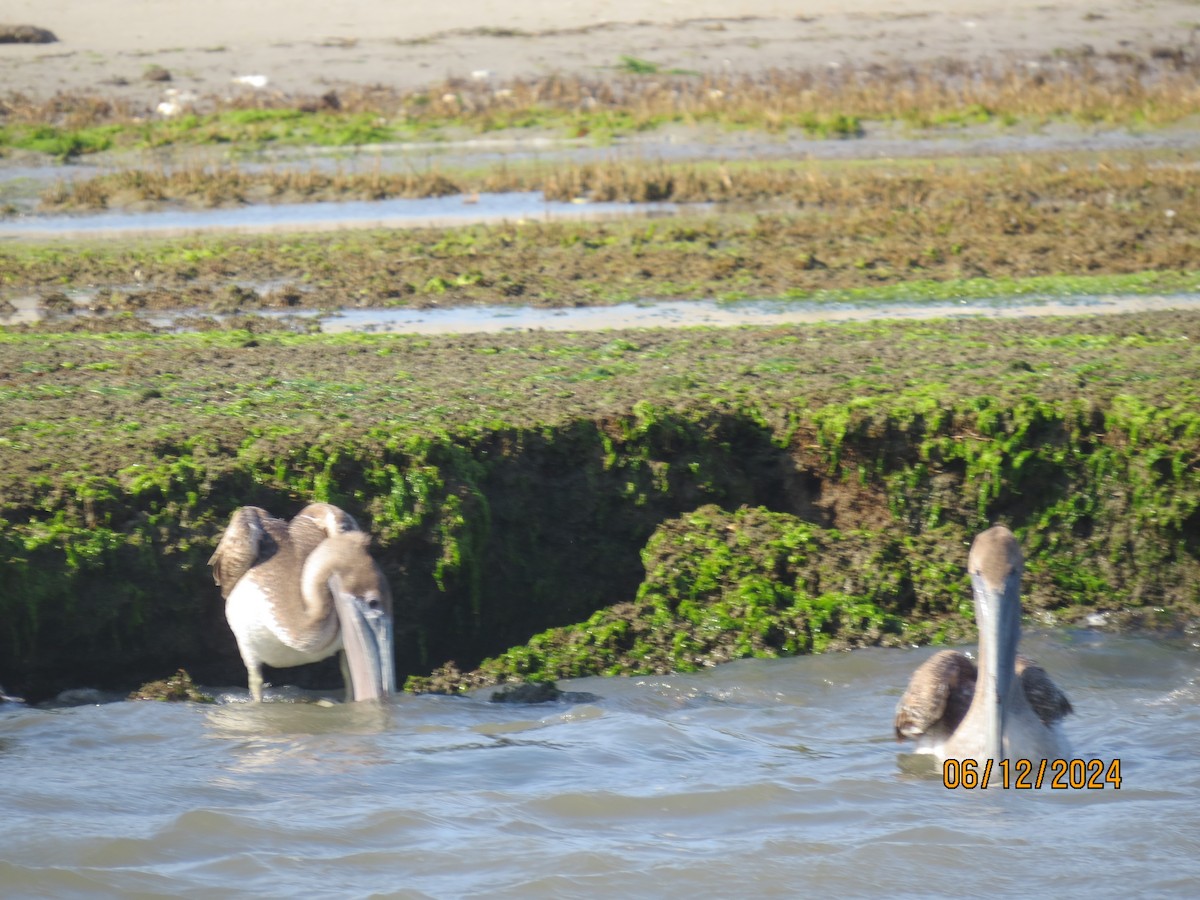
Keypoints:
pixel 251 537
pixel 938 695
pixel 1050 703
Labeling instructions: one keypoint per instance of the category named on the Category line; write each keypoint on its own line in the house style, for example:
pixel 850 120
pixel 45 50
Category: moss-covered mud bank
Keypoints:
pixel 604 502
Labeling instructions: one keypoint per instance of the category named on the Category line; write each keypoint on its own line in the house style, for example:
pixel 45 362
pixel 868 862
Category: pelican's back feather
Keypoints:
pixel 252 536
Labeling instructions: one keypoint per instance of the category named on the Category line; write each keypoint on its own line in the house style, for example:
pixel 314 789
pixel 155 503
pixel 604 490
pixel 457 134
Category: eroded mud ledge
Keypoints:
pixel 518 483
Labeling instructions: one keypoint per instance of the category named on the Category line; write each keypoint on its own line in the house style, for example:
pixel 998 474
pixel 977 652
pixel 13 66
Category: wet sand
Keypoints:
pixel 300 46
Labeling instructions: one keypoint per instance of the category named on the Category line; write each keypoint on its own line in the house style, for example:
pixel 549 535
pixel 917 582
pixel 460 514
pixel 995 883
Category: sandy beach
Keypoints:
pixel 300 46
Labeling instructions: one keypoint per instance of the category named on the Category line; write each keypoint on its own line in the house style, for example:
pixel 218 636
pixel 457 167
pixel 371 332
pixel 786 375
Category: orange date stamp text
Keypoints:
pixel 1032 774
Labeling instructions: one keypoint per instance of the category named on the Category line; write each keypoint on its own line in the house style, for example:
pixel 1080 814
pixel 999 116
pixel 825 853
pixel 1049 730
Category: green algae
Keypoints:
pixel 60 142
pixel 723 585
pixel 179 688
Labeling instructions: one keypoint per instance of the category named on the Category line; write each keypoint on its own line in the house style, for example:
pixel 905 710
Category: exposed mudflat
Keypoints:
pixel 307 47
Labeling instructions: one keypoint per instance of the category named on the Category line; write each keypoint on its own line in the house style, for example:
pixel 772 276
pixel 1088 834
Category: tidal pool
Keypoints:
pixel 645 314
pixel 698 313
pixel 425 212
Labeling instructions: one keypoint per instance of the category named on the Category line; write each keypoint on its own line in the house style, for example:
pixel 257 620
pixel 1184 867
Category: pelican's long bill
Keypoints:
pixel 997 610
pixel 367 643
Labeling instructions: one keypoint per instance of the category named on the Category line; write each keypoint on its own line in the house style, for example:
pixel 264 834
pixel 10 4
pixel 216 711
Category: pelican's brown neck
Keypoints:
pixel 995 567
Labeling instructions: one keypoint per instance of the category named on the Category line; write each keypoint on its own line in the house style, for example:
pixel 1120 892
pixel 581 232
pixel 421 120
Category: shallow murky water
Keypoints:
pixel 757 778
pixel 712 313
pixel 425 212
pixel 651 313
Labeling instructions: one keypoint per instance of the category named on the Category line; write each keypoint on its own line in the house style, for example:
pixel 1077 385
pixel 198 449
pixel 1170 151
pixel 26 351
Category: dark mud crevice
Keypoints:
pixel 568 518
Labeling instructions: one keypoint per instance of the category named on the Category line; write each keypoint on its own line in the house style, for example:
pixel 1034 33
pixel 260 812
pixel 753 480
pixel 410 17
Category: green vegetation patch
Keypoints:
pixel 179 688
pixel 62 143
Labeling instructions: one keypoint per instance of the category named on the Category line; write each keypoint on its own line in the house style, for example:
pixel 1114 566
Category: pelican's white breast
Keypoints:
pixel 255 622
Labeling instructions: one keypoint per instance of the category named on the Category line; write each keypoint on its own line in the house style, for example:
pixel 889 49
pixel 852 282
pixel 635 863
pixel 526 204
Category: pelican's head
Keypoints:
pixel 363 602
pixel 995 565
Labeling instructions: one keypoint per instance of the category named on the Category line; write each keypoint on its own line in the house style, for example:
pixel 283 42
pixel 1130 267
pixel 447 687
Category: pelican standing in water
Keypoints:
pixel 1012 709
pixel 297 592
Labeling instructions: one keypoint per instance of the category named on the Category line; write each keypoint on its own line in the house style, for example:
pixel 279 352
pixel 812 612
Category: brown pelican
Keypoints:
pixel 1013 711
pixel 297 592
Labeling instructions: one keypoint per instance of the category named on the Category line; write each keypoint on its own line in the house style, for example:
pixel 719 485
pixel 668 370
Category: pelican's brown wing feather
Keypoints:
pixel 1047 700
pixel 938 695
pixel 252 536
pixel 316 522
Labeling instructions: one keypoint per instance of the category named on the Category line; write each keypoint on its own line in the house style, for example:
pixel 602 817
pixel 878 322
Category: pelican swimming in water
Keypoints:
pixel 297 592
pixel 1013 711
